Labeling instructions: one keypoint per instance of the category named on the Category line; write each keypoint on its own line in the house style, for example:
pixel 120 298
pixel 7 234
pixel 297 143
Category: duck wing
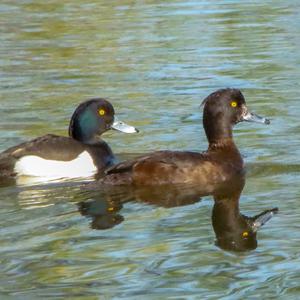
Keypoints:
pixel 49 146
pixel 161 167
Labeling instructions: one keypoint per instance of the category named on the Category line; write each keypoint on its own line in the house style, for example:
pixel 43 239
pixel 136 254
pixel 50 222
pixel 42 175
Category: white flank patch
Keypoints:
pixel 31 165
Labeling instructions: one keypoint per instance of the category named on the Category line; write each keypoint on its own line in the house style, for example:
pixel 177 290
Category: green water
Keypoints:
pixel 155 61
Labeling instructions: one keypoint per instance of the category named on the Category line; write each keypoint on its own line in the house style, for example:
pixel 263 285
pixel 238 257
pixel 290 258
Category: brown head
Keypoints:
pixel 222 110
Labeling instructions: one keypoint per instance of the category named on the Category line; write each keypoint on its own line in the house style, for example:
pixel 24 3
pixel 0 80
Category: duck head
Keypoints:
pixel 92 118
pixel 222 110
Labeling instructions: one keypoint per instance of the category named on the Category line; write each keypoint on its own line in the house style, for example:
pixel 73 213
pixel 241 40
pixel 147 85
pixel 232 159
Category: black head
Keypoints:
pixel 222 110
pixel 92 118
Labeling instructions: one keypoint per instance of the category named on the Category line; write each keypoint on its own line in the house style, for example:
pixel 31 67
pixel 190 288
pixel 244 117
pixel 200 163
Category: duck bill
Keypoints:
pixel 123 127
pixel 263 218
pixel 251 117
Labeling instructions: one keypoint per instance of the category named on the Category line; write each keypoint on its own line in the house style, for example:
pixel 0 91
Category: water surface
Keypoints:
pixel 155 61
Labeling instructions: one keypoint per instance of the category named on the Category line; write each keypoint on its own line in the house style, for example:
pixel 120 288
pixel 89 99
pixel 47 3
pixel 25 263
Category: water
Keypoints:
pixel 155 61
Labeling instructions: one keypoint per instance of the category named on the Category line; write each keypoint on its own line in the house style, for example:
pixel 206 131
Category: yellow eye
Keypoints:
pixel 233 104
pixel 245 234
pixel 101 112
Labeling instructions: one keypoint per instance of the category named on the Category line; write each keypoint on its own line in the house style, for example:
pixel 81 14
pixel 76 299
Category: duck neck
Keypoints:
pixel 225 215
pixel 84 137
pixel 84 128
pixel 223 144
pixel 218 132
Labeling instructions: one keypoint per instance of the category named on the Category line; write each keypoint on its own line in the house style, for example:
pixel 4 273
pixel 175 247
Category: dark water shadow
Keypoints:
pixel 234 231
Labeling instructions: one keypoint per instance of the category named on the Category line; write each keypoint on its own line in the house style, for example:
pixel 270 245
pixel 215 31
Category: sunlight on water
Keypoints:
pixel 156 62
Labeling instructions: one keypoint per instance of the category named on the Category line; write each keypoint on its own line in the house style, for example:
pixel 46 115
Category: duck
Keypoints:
pixel 81 154
pixel 222 110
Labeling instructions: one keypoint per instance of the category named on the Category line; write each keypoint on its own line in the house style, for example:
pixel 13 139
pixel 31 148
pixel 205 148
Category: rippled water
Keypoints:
pixel 155 61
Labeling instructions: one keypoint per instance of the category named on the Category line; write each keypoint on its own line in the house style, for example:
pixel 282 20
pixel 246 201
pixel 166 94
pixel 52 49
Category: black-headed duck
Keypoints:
pixel 82 154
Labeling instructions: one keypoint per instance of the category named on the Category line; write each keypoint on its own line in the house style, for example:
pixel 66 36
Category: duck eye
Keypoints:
pixel 245 234
pixel 233 104
pixel 101 112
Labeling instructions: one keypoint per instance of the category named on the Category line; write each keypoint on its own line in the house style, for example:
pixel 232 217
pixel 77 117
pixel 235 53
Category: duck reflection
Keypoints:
pixel 234 231
pixel 103 207
pixel 104 213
